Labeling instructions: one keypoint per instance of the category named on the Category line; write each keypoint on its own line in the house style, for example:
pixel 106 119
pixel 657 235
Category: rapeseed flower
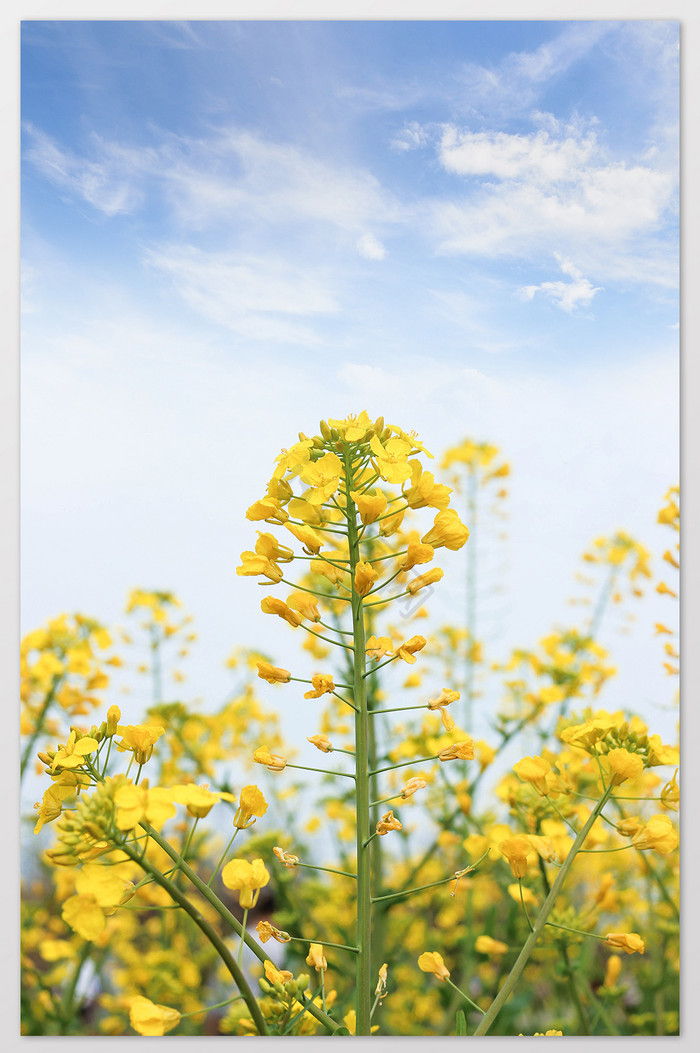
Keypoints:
pixel 431 962
pixel 245 878
pixel 148 1018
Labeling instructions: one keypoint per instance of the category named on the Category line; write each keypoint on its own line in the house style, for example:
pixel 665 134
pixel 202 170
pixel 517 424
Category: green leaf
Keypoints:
pixel 342 1031
pixel 461 1022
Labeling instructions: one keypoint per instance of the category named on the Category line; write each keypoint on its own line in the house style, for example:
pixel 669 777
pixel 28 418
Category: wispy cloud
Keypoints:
pixel 370 247
pixel 106 182
pixel 578 292
pixel 262 298
pixel 231 178
pixel 238 173
pixel 514 84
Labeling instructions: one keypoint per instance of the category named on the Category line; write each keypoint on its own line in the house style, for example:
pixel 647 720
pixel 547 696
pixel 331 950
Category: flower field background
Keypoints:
pixel 454 842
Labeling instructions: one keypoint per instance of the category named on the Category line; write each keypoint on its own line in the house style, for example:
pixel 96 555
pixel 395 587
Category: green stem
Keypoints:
pixel 322 771
pixel 529 945
pixel 328 870
pixel 324 943
pixel 212 935
pixel 243 925
pixel 465 997
pixel 362 778
pixel 410 891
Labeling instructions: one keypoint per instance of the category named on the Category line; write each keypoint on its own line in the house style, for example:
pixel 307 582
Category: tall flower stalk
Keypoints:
pixel 350 472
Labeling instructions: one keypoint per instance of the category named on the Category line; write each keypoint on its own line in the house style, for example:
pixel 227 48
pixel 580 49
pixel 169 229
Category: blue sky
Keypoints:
pixel 234 228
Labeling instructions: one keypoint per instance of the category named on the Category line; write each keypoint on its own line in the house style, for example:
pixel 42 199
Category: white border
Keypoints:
pixel 437 10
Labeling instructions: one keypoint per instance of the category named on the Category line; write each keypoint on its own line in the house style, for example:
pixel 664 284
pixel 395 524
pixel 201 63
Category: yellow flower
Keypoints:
pixel 139 739
pixel 321 742
pixel 137 803
pixel 323 476
pixel 416 553
pixel 445 698
pixel 463 750
pixel 275 975
pixel 148 1018
pixel 670 794
pixel 386 823
pixel 391 459
pixel 516 850
pixel 486 945
pixel 84 915
pixel 585 735
pixel 245 878
pixel 75 750
pixel 267 931
pixel 355 426
pixel 658 834
pixel 254 565
pixel 321 684
pixel 305 604
pixel 448 531
pixel 273 674
pixel 535 771
pixel 273 605
pixel 267 545
pixel 199 800
pixel 429 578
pixel 431 962
pixel 660 754
pixel 370 508
pixel 390 524
pixel 629 942
pixel 317 958
pixel 378 647
pixel 407 650
pixel 411 785
pixel 252 803
pixel 365 577
pixel 310 540
pixel 272 761
pixel 624 765
pixel 267 508
pixel 51 804
pixel 424 491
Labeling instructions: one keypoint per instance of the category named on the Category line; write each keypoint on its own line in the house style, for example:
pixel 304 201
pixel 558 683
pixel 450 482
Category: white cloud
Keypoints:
pixel 259 297
pixel 578 292
pixel 371 247
pixel 538 157
pixel 515 83
pixel 107 186
pixel 276 182
pixel 411 137
pixel 233 181
pixel 536 193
